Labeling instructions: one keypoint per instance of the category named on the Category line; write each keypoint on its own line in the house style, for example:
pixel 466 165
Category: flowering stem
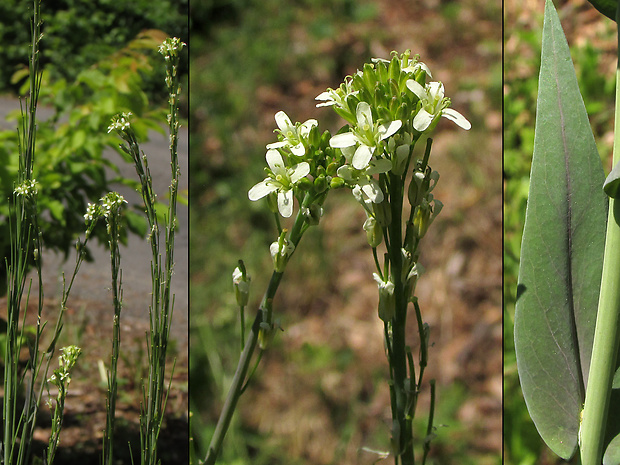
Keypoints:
pixel 262 321
pixel 401 429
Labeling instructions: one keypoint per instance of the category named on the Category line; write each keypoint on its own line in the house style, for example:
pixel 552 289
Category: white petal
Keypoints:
pixel 422 120
pixel 455 116
pixel 277 145
pixel 324 96
pixel 299 171
pixel 416 88
pixel 362 157
pixel 326 104
pixel 436 90
pixel 304 128
pixel 390 129
pixel 345 173
pixel 425 68
pixel 373 191
pixel 274 160
pixel 285 203
pixel 346 139
pixel 261 189
pixel 283 121
pixel 363 114
pixel 298 149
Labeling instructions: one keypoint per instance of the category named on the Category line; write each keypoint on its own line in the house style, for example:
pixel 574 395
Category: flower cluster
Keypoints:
pixel 388 106
pixel 120 123
pixel 66 362
pixel 171 47
pixel 108 204
pixel 28 187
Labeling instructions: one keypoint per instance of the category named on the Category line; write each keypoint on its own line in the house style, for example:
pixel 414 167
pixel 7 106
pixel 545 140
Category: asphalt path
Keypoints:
pixel 92 285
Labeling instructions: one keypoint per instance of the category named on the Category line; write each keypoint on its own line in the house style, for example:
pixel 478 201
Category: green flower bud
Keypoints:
pixel 320 184
pixel 415 193
pixel 332 168
pixel 241 282
pixel 336 183
pixel 421 219
pixel 386 298
pixel 313 213
pixel 373 232
pixel 304 184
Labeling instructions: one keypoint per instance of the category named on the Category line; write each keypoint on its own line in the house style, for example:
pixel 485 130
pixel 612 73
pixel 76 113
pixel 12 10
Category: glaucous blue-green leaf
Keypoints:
pixel 612 453
pixel 607 7
pixel 562 251
pixel 612 182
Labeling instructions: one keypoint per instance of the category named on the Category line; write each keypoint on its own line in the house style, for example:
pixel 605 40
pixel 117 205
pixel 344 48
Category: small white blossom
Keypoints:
pixel 367 134
pixel 336 97
pixel 120 122
pixel 171 46
pixel 28 187
pixel 280 251
pixel 293 134
pixel 112 201
pixel 433 104
pixel 281 180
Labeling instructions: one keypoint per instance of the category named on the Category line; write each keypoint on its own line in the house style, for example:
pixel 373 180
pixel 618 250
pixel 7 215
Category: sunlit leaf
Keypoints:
pixel 562 251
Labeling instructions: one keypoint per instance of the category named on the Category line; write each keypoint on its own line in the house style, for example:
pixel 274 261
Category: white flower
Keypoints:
pixel 280 179
pixel 280 251
pixel 293 135
pixel 120 122
pixel 434 103
pixel 336 97
pixel 28 187
pixel 363 180
pixel 367 134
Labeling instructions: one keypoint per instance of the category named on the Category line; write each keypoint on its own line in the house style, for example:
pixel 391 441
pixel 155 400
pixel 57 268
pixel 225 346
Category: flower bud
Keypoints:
pixel 304 184
pixel 313 213
pixel 373 232
pixel 241 282
pixel 386 298
pixel 421 219
pixel 336 183
pixel 415 192
pixel 320 184
pixel 280 252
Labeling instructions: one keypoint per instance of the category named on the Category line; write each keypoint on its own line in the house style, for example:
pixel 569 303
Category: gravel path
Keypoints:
pixel 93 281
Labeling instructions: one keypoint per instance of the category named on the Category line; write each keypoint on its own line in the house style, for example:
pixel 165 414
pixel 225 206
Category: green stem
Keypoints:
pixel 264 315
pixel 398 360
pixel 607 332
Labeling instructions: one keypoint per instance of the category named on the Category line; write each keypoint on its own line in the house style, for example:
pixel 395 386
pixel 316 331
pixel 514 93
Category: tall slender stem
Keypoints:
pixel 398 360
pixel 607 332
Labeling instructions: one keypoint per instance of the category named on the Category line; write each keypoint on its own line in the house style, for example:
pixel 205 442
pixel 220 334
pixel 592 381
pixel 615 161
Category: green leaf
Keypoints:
pixel 607 7
pixel 612 183
pixel 612 453
pixel 562 251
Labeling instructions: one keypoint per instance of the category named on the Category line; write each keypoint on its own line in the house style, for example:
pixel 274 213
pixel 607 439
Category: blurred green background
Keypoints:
pixel 320 393
pixel 591 38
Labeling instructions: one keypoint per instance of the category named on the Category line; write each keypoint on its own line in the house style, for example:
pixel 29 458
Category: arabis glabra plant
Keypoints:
pixel 388 107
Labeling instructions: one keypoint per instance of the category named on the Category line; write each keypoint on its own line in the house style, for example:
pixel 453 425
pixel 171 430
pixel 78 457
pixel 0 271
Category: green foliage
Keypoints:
pixel 80 33
pixel 562 251
pixel 70 168
pixel 521 66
